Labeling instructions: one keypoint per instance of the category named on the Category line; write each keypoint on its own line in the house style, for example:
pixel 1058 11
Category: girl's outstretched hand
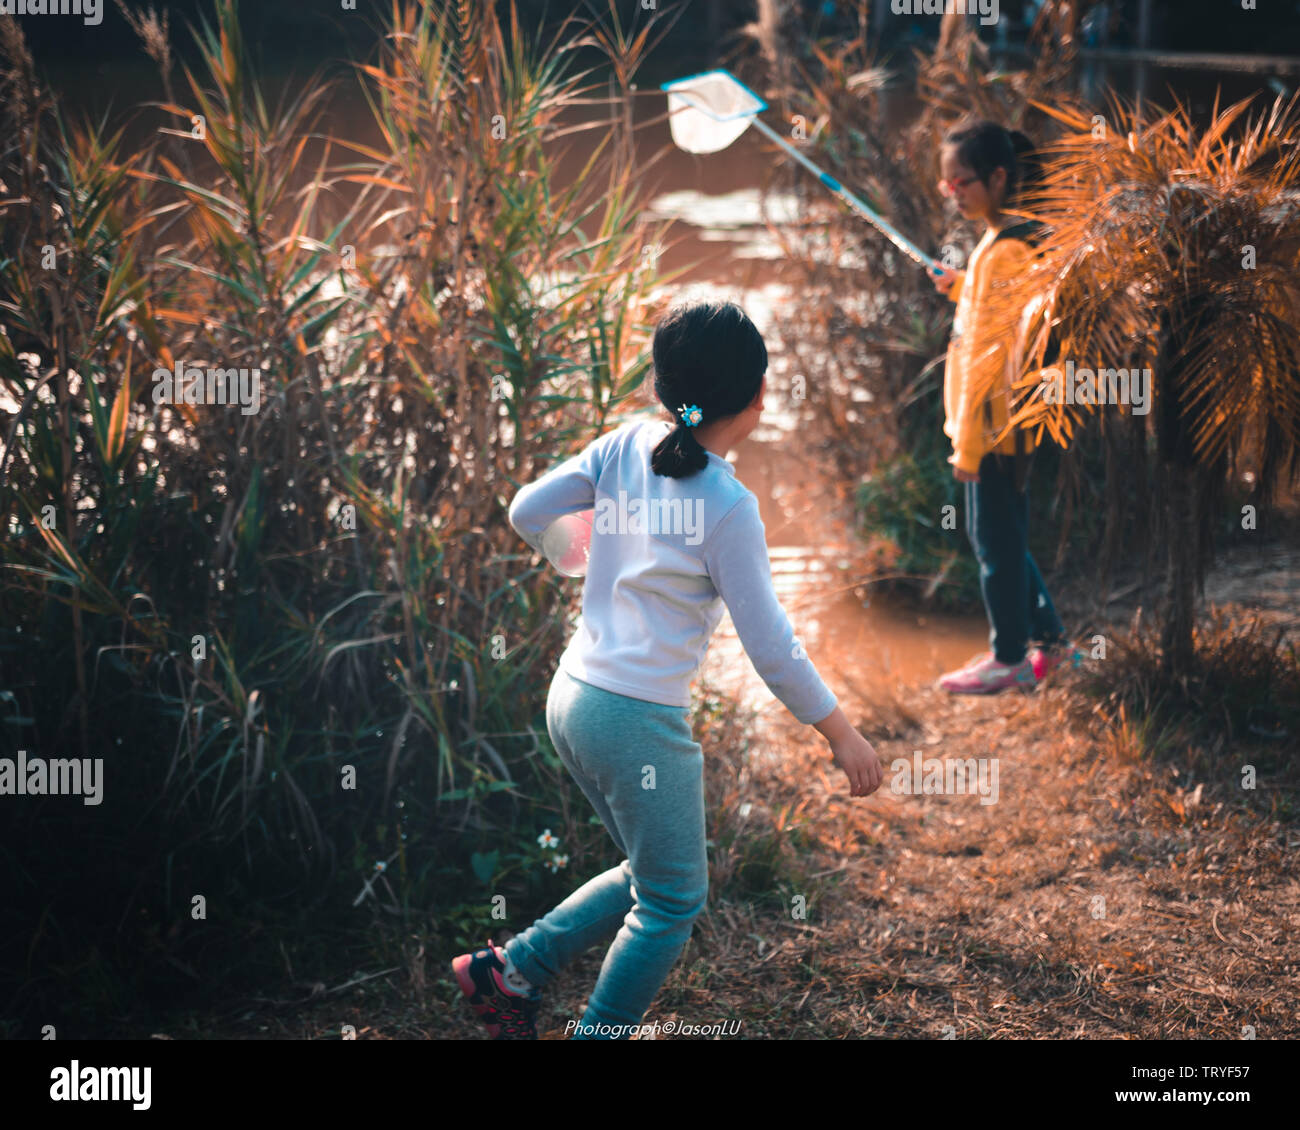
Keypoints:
pixel 853 754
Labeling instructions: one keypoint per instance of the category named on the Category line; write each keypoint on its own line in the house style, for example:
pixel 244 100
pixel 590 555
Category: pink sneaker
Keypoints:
pixel 980 658
pixel 987 676
pixel 1045 662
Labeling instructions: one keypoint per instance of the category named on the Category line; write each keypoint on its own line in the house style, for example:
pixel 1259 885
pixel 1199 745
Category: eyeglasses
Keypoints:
pixel 951 186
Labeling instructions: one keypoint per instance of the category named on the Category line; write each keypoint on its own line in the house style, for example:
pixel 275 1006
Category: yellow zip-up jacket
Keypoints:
pixel 977 372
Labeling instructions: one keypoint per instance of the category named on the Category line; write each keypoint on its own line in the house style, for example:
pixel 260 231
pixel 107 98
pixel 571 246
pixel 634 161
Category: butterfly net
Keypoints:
pixel 708 112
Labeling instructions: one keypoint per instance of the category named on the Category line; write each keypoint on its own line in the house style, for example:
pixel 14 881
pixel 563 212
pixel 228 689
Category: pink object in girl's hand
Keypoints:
pixel 567 543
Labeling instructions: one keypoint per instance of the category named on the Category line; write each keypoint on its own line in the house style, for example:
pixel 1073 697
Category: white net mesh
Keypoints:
pixel 567 543
pixel 708 112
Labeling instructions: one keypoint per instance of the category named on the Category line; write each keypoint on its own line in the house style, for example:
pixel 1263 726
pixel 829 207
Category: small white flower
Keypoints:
pixel 547 840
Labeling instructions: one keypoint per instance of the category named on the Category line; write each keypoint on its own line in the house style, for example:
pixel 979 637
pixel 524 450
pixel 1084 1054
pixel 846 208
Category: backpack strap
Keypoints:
pixel 1030 231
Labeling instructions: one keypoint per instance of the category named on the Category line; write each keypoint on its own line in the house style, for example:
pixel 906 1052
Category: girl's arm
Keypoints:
pixel 737 562
pixel 736 557
pixel 566 488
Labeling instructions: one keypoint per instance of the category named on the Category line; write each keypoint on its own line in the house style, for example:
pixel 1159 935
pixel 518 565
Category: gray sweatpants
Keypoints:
pixel 643 772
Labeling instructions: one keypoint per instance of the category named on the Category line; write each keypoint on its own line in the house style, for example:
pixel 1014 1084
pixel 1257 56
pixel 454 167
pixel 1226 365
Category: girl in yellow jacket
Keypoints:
pixel 987 171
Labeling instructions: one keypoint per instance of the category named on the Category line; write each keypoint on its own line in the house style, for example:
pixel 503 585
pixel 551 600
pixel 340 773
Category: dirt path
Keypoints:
pixel 1098 896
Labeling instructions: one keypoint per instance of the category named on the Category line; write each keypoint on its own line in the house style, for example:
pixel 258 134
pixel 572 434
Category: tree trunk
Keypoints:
pixel 1179 485
pixel 1181 527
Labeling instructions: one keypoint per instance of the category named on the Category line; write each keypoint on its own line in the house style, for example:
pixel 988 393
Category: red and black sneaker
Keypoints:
pixel 507 1014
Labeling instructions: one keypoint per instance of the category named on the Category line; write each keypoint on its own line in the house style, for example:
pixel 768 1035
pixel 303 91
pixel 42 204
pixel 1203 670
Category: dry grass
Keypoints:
pixel 939 916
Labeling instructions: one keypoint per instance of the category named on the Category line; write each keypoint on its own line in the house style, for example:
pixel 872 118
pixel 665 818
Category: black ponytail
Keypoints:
pixel 708 355
pixel 1029 169
pixel 984 146
pixel 679 454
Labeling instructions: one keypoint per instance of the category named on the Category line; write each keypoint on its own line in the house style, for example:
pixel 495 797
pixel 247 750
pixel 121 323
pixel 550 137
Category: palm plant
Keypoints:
pixel 1174 249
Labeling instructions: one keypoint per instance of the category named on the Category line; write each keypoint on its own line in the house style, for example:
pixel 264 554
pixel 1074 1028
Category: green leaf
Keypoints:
pixel 485 866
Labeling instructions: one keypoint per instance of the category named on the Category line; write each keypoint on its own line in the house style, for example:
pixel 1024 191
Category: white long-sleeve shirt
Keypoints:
pixel 666 554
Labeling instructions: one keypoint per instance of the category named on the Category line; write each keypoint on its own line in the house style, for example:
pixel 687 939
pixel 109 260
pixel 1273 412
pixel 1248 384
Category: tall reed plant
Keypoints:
pixel 304 639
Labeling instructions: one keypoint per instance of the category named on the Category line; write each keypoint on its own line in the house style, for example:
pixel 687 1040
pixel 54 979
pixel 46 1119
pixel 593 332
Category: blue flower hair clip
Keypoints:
pixel 690 415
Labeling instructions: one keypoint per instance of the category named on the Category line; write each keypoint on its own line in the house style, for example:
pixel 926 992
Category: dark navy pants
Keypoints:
pixel 997 522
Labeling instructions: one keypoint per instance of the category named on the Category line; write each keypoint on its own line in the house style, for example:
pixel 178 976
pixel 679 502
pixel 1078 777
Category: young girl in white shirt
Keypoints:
pixel 676 535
